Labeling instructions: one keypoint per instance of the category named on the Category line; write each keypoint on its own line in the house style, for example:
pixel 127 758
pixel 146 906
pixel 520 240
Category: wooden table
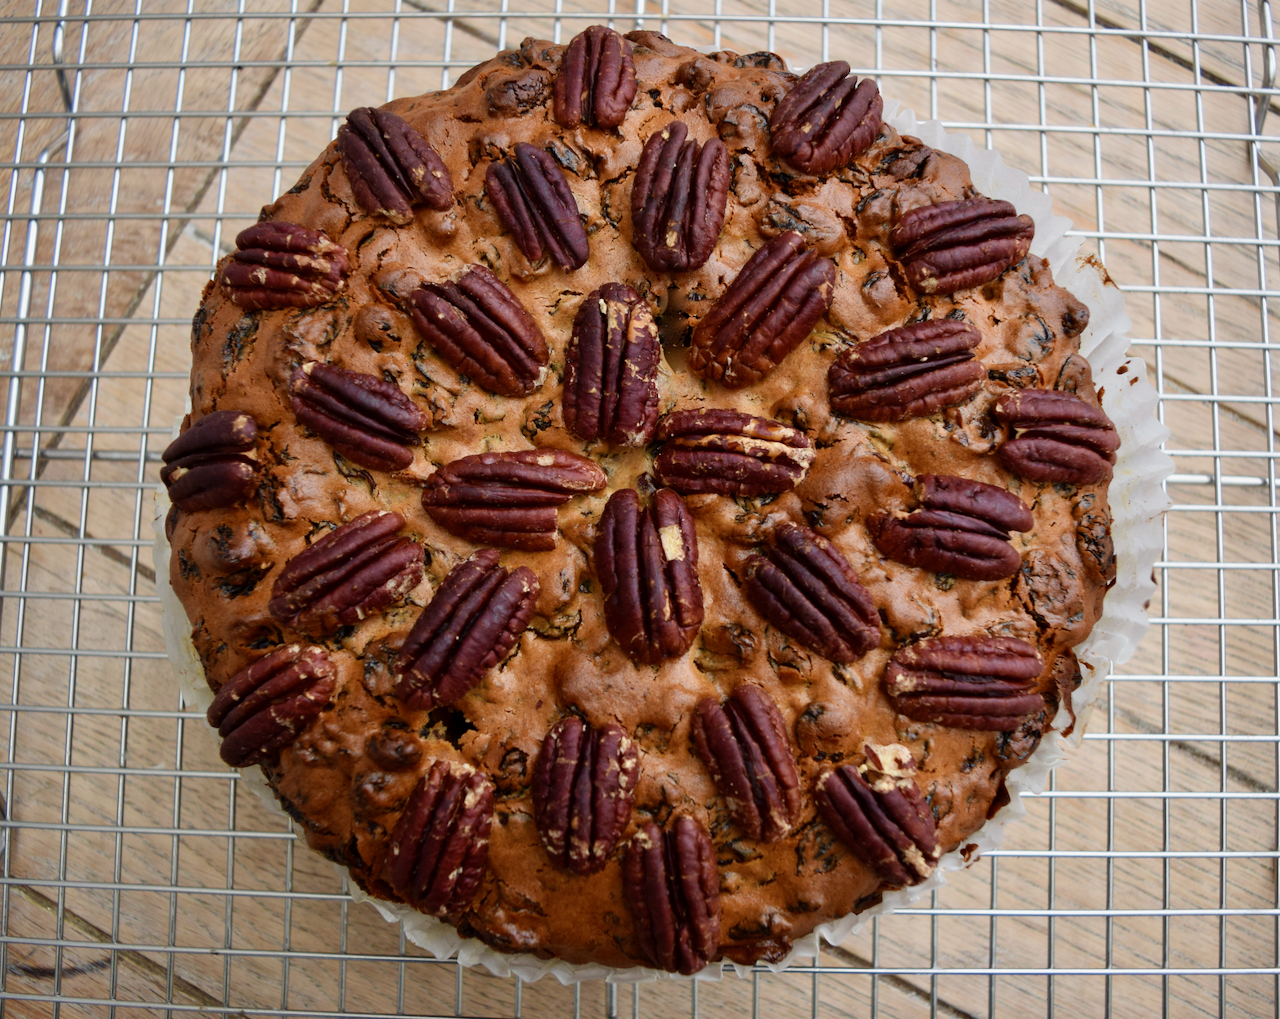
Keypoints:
pixel 118 798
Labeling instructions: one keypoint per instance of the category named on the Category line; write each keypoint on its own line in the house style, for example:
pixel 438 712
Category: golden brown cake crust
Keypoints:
pixel 340 780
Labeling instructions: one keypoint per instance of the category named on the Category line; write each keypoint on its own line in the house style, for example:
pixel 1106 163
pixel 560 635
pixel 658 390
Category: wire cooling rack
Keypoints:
pixel 140 879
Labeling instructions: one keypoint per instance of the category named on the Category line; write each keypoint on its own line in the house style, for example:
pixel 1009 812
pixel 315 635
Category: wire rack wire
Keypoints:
pixel 140 879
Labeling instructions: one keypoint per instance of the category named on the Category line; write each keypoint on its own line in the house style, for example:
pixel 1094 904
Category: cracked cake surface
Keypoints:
pixel 636 505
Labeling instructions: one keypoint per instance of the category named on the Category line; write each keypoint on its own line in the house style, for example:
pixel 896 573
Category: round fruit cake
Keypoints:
pixel 636 505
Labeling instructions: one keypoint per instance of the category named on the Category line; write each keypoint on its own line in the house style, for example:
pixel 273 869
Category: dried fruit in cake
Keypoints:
pixel 583 785
pixel 509 499
pixel 907 372
pixel 1060 437
pixel 262 708
pixel 647 561
pixel 805 587
pixel 475 617
pixel 745 744
pixel 968 682
pixel 877 811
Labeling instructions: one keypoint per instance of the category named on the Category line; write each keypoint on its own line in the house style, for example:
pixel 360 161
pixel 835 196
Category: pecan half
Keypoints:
pixel 772 304
pixel 611 368
pixel 678 199
pixel 907 372
pixel 805 587
pixel 283 265
pixel 262 709
pixel 533 202
pixel 730 453
pixel 475 618
pixel 391 166
pixel 366 419
pixel 746 747
pixel 352 572
pixel 647 562
pixel 597 80
pixel 211 465
pixel 670 881
pixel 1063 439
pixel 480 327
pixel 953 245
pixel 962 528
pixel 582 790
pixel 509 499
pixel 877 811
pixel 967 682
pixel 440 845
pixel 827 119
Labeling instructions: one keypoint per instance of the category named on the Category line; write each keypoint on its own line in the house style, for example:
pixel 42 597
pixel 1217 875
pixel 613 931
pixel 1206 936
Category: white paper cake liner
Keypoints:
pixel 1138 502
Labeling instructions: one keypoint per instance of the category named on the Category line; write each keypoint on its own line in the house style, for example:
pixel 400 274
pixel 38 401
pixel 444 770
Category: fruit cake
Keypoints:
pixel 636 506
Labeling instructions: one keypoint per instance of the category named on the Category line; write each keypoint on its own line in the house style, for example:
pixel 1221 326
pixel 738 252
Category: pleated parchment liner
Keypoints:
pixel 1138 503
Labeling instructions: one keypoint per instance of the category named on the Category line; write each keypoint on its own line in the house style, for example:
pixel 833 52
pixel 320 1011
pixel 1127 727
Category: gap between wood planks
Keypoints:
pixel 93 932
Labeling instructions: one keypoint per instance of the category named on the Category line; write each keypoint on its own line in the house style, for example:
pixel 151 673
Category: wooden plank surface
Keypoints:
pixel 134 785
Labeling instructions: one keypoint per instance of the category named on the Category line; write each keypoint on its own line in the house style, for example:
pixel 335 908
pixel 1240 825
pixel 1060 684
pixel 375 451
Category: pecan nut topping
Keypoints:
pixel 746 747
pixel 480 327
pixel 678 199
pixel 877 811
pixel 283 265
pixel 647 562
pixel 366 419
pixel 805 587
pixel 1063 439
pixel 949 246
pixel 475 618
pixel 533 202
pixel 391 167
pixel 509 499
pixel 828 119
pixel 907 372
pixel 670 881
pixel 440 845
pixel 730 453
pixel 597 80
pixel 262 709
pixel 582 790
pixel 967 682
pixel 352 572
pixel 962 528
pixel 611 368
pixel 772 304
pixel 211 464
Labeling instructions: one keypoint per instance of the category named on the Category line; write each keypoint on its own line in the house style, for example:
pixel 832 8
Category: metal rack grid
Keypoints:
pixel 139 879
